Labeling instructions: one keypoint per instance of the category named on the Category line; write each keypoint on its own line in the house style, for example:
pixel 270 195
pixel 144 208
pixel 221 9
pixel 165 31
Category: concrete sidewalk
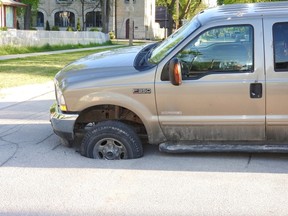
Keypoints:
pixel 6 57
pixel 14 95
pixel 10 96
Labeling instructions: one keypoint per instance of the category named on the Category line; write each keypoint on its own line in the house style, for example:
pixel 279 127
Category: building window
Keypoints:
pixel 93 19
pixel 64 19
pixel 127 1
pixel 64 1
pixel 40 19
pixel 9 17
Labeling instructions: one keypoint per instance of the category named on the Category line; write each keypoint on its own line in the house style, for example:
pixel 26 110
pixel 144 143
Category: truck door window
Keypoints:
pixel 280 45
pixel 226 49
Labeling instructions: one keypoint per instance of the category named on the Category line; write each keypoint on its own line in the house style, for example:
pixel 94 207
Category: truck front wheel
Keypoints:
pixel 111 140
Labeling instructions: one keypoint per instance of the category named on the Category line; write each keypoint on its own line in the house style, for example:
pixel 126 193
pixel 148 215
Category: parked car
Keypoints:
pixel 193 92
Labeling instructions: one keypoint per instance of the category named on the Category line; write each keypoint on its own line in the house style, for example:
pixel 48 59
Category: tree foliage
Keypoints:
pixel 187 9
pixel 220 2
pixel 170 5
pixel 31 5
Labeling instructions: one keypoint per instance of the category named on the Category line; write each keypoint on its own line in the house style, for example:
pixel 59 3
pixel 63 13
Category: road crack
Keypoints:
pixel 14 153
pixel 44 139
pixel 55 147
pixel 249 160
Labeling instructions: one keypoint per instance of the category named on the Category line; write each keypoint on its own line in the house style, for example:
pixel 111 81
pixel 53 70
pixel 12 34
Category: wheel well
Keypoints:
pixel 93 115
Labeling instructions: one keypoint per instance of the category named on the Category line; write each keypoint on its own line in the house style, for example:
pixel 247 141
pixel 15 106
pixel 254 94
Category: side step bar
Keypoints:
pixel 185 147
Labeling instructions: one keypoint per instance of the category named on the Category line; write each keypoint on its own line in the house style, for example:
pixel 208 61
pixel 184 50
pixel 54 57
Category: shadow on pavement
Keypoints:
pixel 27 140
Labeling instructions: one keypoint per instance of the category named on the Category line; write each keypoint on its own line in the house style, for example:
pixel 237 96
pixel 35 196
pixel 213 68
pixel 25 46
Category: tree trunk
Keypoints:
pixel 131 26
pixel 105 5
pixel 170 18
pixel 170 24
pixel 27 17
pixel 83 16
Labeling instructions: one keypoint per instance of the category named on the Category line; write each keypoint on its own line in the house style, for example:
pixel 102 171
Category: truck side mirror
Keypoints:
pixel 175 75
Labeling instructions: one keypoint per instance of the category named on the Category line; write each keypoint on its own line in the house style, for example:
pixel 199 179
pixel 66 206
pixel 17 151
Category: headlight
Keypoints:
pixel 60 98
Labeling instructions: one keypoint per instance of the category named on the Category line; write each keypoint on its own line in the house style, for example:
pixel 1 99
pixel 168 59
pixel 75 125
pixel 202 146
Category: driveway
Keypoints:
pixel 39 176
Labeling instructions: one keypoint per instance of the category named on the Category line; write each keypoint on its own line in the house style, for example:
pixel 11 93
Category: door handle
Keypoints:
pixel 256 90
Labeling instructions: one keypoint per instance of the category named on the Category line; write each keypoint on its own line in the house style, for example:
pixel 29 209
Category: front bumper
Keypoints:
pixel 62 124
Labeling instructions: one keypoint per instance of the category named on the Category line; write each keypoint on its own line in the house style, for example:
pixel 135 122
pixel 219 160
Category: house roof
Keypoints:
pixel 12 3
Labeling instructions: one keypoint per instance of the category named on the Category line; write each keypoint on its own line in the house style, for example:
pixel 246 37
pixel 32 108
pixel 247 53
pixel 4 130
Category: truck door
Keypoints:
pixel 222 95
pixel 276 54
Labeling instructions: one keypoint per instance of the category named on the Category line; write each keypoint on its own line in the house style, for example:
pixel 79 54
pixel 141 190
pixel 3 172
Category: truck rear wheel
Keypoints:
pixel 111 140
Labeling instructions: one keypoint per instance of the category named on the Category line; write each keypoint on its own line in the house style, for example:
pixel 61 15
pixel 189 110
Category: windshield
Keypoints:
pixel 173 40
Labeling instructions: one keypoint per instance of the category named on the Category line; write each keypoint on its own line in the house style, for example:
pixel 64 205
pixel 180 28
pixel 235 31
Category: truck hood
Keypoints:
pixel 108 64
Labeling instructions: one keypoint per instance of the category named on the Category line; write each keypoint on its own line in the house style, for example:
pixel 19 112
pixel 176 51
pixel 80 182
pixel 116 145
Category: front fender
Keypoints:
pixel 142 105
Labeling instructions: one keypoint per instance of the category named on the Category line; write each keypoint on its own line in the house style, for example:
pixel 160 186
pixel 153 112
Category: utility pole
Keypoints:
pixel 131 9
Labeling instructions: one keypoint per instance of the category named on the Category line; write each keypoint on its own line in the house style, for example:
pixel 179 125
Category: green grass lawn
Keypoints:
pixel 8 50
pixel 37 69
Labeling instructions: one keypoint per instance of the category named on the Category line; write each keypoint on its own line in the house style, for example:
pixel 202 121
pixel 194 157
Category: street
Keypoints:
pixel 39 176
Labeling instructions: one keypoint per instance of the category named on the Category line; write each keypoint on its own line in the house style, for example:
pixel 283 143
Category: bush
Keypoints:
pixel 46 47
pixel 3 29
pixel 55 28
pixel 94 29
pixel 78 25
pixel 70 29
pixel 47 26
pixel 112 35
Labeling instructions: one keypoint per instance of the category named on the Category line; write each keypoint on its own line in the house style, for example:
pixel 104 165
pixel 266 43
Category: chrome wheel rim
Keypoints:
pixel 109 149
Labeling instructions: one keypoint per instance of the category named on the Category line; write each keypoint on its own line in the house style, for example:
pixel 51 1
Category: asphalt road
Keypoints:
pixel 39 176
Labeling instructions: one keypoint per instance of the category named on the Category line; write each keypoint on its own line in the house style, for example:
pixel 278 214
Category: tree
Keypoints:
pixel 187 9
pixel 106 9
pixel 83 16
pixel 220 2
pixel 78 26
pixel 31 5
pixel 170 5
pixel 47 26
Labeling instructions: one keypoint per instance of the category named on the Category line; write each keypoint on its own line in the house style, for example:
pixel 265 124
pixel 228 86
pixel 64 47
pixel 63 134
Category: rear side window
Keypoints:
pixel 280 46
pixel 224 49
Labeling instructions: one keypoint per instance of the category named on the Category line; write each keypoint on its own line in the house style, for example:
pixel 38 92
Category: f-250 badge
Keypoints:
pixel 142 91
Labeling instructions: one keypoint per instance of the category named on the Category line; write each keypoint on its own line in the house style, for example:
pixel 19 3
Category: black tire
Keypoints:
pixel 111 140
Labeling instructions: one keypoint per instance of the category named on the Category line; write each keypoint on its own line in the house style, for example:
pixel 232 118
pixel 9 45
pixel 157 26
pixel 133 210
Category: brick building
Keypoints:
pixel 64 13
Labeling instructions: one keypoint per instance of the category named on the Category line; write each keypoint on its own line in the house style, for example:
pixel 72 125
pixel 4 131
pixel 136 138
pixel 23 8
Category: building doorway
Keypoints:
pixel 127 28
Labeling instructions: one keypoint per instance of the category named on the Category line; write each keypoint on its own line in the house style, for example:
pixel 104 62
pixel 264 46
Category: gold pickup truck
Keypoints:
pixel 219 83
